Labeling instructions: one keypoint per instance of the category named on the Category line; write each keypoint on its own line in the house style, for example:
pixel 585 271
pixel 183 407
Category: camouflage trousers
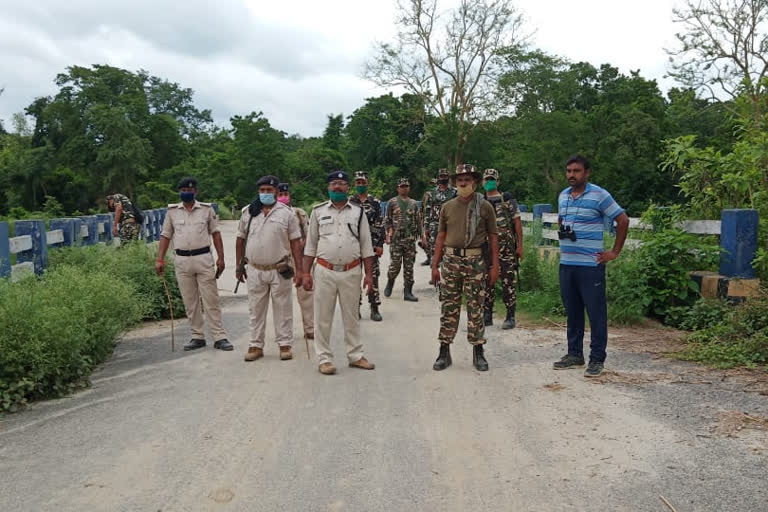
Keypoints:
pixel 462 276
pixel 507 280
pixel 374 298
pixel 129 231
pixel 402 252
pixel 431 239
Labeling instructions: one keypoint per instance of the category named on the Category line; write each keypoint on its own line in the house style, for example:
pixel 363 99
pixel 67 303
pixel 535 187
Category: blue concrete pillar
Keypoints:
pixel 106 221
pixel 77 223
pixel 523 207
pixel 5 251
pixel 161 220
pixel 67 226
pixel 93 229
pixel 738 241
pixel 147 227
pixel 215 207
pixel 538 209
pixel 383 209
pixel 39 253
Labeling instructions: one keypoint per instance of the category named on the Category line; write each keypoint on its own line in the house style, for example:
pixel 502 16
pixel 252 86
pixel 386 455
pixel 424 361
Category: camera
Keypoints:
pixel 566 232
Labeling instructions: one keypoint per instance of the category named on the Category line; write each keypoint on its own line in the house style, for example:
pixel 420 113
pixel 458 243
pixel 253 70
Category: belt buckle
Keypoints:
pixel 338 268
pixel 457 252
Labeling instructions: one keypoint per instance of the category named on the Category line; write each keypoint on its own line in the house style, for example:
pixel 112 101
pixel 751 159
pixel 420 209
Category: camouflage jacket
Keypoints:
pixel 433 201
pixel 372 208
pixel 507 211
pixel 127 205
pixel 404 226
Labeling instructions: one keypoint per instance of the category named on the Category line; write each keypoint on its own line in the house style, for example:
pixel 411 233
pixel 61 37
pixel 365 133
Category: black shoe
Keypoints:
pixel 443 360
pixel 594 369
pixel 194 344
pixel 426 262
pixel 223 344
pixel 488 318
pixel 568 361
pixel 408 294
pixel 388 288
pixel 509 322
pixel 478 358
pixel 375 315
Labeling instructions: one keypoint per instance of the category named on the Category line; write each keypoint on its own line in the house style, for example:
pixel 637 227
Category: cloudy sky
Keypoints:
pixel 295 60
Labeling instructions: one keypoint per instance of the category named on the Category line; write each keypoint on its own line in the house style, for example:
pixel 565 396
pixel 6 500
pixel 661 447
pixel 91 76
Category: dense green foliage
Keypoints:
pixel 55 329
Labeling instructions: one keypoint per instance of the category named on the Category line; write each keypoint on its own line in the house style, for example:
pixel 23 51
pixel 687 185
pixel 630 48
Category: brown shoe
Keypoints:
pixel 254 353
pixel 309 336
pixel 327 369
pixel 363 363
pixel 285 352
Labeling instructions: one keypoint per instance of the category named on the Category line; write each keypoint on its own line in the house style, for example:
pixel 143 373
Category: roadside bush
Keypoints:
pixel 540 285
pixel 741 339
pixel 133 263
pixel 54 330
pixel 626 290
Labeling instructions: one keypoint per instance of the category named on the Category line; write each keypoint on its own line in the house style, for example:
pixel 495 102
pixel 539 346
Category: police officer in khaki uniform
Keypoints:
pixel 339 237
pixel 304 297
pixel 191 225
pixel 273 234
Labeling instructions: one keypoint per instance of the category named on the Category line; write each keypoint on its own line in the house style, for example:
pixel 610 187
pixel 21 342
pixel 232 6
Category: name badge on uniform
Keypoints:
pixel 325 220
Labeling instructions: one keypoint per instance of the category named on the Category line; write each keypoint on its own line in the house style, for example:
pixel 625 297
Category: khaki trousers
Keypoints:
pixel 261 285
pixel 306 304
pixel 196 276
pixel 330 286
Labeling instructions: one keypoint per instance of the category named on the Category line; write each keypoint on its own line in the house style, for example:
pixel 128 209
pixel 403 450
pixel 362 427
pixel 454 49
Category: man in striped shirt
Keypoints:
pixel 582 210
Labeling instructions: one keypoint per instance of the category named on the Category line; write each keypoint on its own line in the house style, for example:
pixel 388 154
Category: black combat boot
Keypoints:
pixel 478 359
pixel 388 288
pixel 443 360
pixel 509 322
pixel 408 293
pixel 488 318
pixel 375 315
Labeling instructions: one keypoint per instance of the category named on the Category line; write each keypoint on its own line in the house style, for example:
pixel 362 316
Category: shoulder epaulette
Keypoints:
pixel 205 204
pixel 174 205
pixel 245 208
pixel 325 203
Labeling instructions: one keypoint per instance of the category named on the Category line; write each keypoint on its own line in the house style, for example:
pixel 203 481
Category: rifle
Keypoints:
pixel 254 209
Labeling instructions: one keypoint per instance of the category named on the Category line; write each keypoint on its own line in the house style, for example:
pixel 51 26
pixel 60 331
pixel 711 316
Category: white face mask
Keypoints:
pixel 466 190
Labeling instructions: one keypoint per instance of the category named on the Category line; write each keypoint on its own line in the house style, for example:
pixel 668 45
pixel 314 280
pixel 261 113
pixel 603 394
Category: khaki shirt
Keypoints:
pixel 333 234
pixel 301 216
pixel 268 240
pixel 190 230
pixel 453 222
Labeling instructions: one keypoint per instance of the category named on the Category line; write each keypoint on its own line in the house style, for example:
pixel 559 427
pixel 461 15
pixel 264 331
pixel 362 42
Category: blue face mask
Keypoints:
pixel 187 197
pixel 267 199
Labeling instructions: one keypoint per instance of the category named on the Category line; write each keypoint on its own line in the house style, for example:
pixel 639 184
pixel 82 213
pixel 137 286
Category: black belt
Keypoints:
pixel 463 253
pixel 193 252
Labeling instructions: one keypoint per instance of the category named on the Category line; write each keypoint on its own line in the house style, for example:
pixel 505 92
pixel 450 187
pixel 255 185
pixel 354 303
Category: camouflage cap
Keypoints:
pixel 442 172
pixel 403 182
pixel 361 175
pixel 491 174
pixel 464 169
pixel 433 181
pixel 187 182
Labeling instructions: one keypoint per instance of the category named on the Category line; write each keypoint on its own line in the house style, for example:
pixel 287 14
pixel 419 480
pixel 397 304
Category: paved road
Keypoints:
pixel 162 431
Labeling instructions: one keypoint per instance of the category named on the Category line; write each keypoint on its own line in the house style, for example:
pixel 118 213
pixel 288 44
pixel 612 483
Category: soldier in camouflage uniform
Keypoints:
pixel 403 223
pixel 467 222
pixel 424 241
pixel 431 203
pixel 125 226
pixel 372 208
pixel 510 247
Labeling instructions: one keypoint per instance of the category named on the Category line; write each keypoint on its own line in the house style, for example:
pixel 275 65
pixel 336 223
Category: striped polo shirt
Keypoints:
pixel 586 216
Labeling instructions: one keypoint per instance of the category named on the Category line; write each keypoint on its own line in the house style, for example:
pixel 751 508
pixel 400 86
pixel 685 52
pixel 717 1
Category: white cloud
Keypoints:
pixel 295 60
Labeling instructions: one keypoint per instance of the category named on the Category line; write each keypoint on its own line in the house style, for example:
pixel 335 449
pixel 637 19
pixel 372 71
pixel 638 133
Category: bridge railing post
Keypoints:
pixel 38 255
pixel 67 227
pixel 5 251
pixel 738 241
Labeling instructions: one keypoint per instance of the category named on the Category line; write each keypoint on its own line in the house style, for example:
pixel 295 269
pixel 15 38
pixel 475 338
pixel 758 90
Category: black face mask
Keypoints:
pixel 111 208
pixel 442 182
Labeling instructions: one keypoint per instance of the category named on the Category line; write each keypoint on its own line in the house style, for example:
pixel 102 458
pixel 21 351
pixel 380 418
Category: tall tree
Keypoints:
pixel 449 59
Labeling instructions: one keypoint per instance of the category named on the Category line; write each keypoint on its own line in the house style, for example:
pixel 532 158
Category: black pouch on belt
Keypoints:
pixel 285 270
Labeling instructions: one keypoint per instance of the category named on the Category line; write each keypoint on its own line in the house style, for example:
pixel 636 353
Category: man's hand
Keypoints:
pixel 160 267
pixel 493 274
pixel 519 252
pixel 435 276
pixel 220 266
pixel 297 280
pixel 241 275
pixel 424 241
pixel 388 240
pixel 368 283
pixel 307 282
pixel 605 257
pixel 378 251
